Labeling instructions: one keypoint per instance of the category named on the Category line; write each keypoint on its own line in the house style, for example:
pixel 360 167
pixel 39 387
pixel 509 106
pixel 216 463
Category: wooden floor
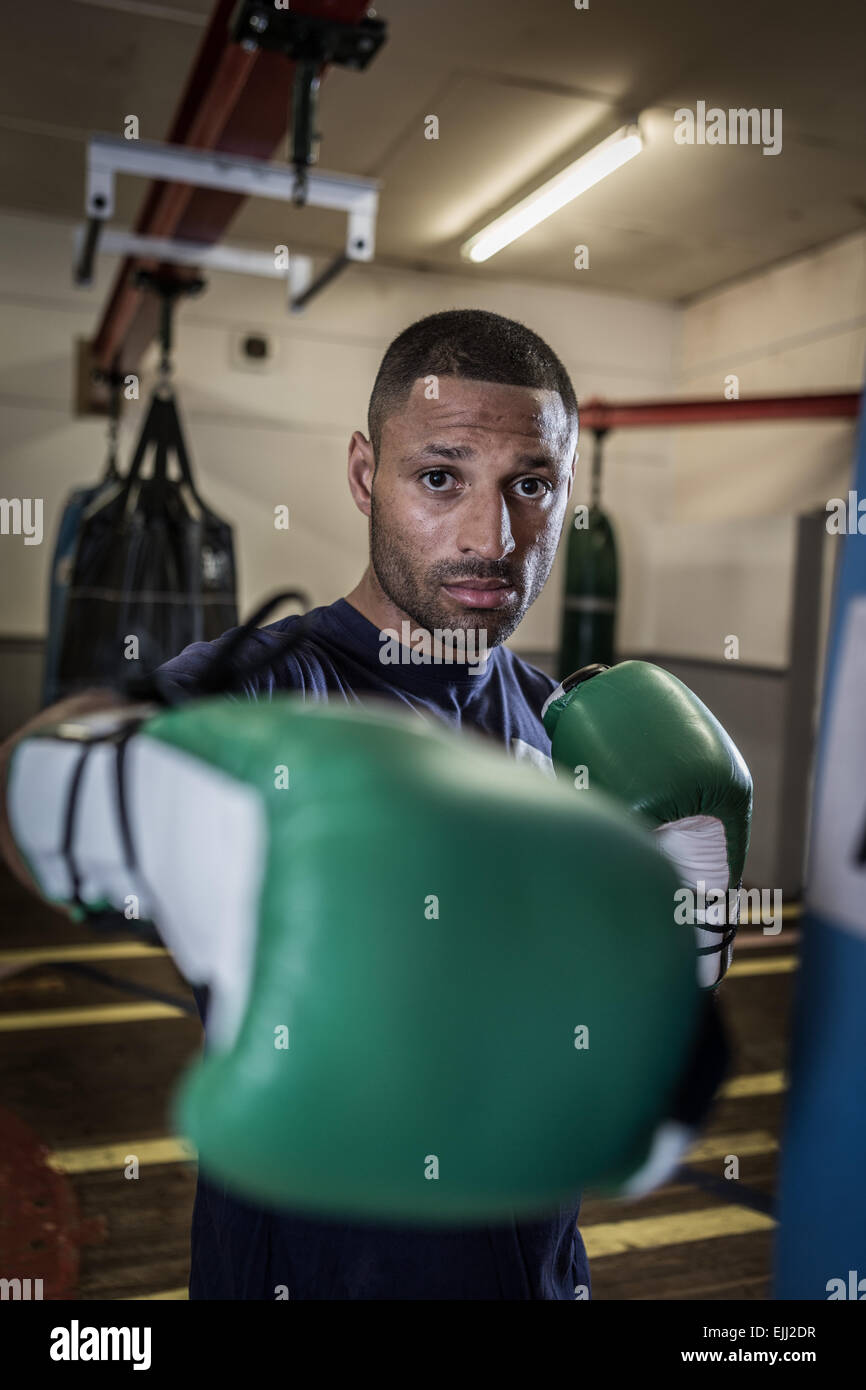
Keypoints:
pixel 89 1066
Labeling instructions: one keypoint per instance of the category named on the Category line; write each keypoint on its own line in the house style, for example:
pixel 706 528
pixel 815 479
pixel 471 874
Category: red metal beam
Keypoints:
pixel 233 101
pixel 599 415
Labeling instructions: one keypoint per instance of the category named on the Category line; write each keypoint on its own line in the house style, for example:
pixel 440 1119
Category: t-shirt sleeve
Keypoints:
pixel 183 673
pixel 249 675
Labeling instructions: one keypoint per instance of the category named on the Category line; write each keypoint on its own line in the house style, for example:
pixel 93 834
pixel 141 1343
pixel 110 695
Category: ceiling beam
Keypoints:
pixel 235 101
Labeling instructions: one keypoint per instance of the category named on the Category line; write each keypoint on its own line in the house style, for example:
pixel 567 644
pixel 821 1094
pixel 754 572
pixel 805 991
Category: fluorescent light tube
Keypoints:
pixel 593 166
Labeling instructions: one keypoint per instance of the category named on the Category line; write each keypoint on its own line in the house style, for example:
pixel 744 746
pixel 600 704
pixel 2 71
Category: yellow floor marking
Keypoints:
pixel 767 965
pixel 757 941
pixel 104 950
pixel 166 1294
pixel 652 1232
pixel 759 1083
pixel 745 1145
pixel 101 1158
pixel 104 1157
pixel 100 1013
pixel 788 910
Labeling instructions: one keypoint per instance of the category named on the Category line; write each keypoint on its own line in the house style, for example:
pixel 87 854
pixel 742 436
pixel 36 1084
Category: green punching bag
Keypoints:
pixel 591 583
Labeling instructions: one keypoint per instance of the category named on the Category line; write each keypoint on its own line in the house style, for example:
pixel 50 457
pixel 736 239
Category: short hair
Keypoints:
pixel 471 343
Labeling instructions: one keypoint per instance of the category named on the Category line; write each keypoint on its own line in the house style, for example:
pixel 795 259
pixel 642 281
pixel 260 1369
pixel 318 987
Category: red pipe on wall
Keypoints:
pixel 602 415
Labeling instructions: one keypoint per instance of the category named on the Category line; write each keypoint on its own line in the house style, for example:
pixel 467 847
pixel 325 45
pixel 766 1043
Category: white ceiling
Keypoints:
pixel 520 90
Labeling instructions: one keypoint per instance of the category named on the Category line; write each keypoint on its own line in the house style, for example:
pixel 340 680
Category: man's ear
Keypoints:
pixel 362 466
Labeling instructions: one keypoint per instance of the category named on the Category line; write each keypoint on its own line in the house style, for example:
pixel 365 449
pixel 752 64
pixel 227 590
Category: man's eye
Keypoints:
pixel 436 478
pixel 537 486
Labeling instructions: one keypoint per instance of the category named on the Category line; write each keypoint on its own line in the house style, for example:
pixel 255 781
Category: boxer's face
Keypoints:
pixel 467 503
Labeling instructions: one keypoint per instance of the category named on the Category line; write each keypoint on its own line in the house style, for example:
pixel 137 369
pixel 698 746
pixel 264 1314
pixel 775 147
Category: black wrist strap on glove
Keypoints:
pixel 225 673
pixel 729 934
pixel 118 735
pixel 726 932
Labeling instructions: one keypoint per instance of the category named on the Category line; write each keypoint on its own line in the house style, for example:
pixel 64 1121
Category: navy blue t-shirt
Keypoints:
pixel 241 1250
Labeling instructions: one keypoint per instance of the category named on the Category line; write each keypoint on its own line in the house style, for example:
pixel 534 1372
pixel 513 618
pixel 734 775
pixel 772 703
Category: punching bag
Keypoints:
pixel 821 1242
pixel 153 568
pixel 62 560
pixel 591 583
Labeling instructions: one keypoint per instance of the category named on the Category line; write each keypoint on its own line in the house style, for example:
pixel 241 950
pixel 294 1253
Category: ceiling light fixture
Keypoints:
pixel 593 166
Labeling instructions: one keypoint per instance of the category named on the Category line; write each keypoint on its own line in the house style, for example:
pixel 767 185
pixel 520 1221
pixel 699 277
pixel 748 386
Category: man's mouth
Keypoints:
pixel 481 593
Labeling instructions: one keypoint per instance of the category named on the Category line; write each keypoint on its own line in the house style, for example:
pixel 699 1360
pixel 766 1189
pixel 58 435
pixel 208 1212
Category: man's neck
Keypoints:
pixel 371 601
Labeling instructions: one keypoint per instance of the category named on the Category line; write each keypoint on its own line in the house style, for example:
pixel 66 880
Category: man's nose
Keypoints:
pixel 485 527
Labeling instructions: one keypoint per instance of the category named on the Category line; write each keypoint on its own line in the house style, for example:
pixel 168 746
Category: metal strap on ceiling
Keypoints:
pixel 237 100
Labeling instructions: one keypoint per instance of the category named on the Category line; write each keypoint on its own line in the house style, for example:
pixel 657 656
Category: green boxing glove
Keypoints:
pixel 645 738
pixel 443 989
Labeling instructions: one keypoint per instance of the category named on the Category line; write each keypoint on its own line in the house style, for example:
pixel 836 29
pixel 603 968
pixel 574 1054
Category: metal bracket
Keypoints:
pixel 108 156
pixel 304 37
pixel 236 260
pixel 311 42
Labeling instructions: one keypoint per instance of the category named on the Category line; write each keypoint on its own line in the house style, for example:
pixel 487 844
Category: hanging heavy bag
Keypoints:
pixel 153 569
pixel 589 602
pixel 60 575
pixel 65 545
pixel 591 582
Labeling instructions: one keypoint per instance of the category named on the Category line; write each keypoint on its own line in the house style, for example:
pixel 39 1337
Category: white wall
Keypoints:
pixel 261 440
pixel 798 328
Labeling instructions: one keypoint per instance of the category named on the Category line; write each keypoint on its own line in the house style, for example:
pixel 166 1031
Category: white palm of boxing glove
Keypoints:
pixel 645 738
pixel 177 842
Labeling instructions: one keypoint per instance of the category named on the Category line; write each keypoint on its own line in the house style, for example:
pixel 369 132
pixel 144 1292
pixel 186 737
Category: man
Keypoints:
pixel 465 479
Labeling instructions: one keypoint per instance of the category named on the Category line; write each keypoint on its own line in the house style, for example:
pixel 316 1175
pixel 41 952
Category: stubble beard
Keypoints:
pixel 420 595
